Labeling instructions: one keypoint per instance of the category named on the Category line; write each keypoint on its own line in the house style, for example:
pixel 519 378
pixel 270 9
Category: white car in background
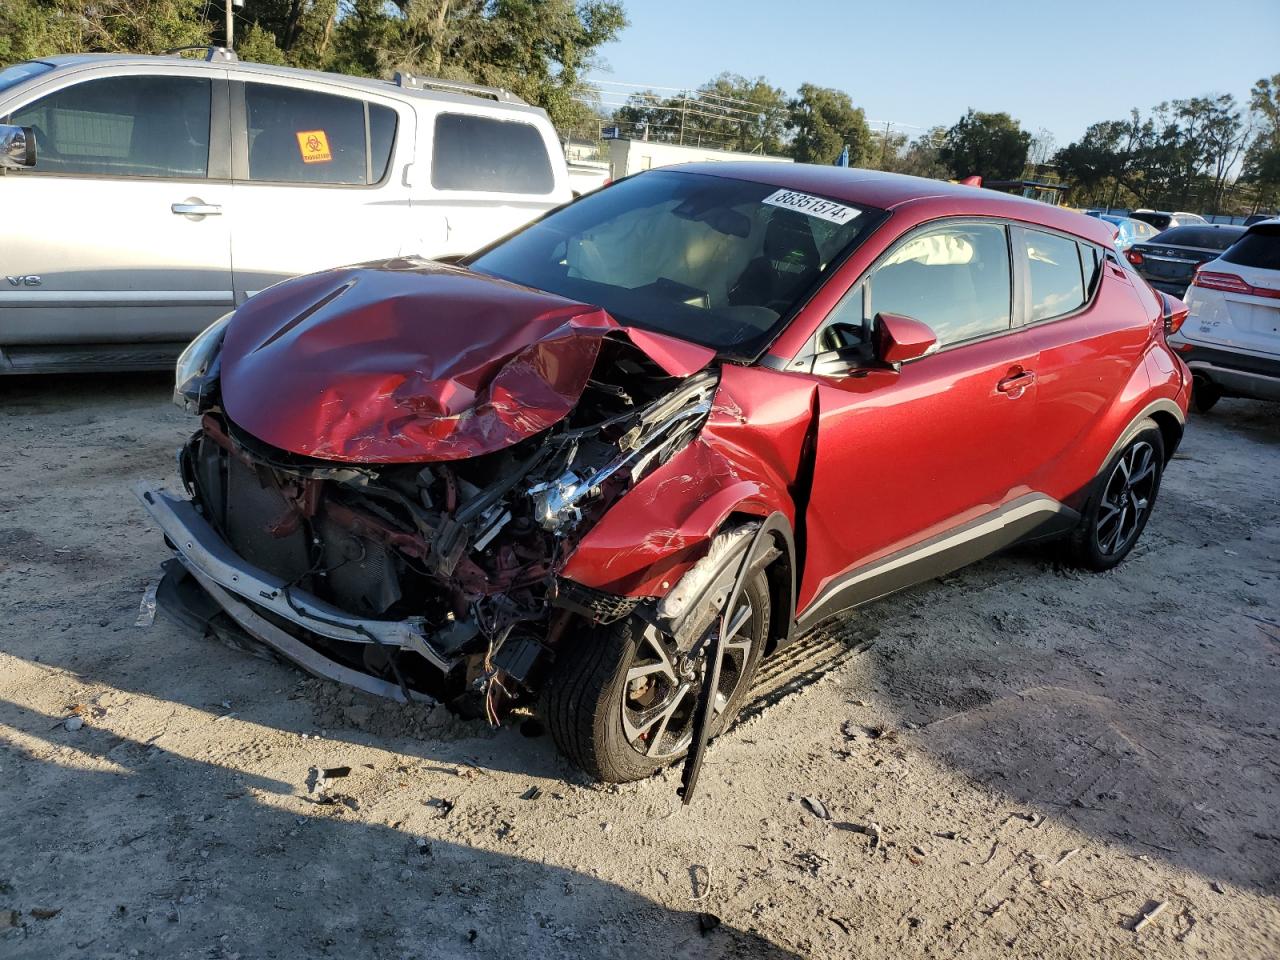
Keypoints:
pixel 1231 337
pixel 145 196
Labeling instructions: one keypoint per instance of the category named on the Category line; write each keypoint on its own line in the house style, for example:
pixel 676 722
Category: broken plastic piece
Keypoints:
pixel 147 607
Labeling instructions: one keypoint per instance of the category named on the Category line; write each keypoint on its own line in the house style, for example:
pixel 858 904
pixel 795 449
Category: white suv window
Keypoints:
pixel 300 136
pixel 132 126
pixel 483 153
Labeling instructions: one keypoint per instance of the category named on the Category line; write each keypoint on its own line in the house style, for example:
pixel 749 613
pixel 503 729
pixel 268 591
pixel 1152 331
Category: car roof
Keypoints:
pixel 874 188
pixel 370 84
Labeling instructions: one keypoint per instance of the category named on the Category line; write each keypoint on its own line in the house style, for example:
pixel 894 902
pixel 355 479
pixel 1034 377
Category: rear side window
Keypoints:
pixel 124 127
pixel 955 278
pixel 300 136
pixel 1260 247
pixel 482 153
pixel 1209 238
pixel 1053 268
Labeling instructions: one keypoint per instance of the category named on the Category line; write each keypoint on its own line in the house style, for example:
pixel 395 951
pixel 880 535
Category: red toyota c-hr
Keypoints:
pixel 611 461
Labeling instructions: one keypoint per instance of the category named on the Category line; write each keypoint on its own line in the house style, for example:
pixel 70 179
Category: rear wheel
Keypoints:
pixel 1204 395
pixel 1118 509
pixel 621 698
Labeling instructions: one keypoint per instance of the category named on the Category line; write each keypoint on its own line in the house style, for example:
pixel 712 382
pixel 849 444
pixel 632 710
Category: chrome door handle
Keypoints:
pixel 197 209
pixel 1014 386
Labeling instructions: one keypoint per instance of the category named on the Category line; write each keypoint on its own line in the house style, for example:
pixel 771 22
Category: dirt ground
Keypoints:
pixel 1015 761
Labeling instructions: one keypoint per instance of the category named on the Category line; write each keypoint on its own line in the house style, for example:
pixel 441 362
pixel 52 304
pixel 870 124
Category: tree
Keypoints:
pixel 36 28
pixel 921 158
pixel 1106 159
pixel 729 112
pixel 1262 160
pixel 540 49
pixel 991 145
pixel 823 122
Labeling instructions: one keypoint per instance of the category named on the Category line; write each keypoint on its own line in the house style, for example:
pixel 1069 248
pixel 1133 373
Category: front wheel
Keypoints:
pixel 620 700
pixel 1121 503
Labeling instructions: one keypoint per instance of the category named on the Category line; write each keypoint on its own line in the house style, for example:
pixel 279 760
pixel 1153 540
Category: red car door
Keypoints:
pixel 921 470
pixel 1090 324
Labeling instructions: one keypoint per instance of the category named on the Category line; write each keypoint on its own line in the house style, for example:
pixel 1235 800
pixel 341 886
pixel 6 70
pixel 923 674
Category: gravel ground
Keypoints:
pixel 1016 760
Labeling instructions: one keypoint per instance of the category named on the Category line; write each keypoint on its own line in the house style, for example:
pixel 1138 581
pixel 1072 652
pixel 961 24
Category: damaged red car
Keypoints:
pixel 607 464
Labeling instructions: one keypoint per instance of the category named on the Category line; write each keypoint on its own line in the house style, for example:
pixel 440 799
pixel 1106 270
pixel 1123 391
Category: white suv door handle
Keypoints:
pixel 197 209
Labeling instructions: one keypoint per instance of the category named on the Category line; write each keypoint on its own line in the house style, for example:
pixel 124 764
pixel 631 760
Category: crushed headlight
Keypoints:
pixel 198 366
pixel 662 429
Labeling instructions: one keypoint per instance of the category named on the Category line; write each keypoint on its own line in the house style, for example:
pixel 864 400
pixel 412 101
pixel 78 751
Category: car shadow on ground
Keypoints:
pixel 159 853
pixel 1032 680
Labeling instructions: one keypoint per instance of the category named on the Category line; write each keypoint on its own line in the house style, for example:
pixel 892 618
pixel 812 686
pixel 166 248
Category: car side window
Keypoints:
pixel 1054 272
pixel 955 278
pixel 135 126
pixel 301 136
pixel 484 153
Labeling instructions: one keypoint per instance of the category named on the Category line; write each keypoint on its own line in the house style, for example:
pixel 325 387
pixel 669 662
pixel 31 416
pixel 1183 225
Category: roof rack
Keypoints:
pixel 411 81
pixel 210 53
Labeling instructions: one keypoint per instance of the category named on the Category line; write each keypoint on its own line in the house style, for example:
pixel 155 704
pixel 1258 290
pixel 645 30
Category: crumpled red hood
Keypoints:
pixel 409 360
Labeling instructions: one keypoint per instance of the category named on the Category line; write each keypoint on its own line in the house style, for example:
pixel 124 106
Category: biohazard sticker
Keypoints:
pixel 314 146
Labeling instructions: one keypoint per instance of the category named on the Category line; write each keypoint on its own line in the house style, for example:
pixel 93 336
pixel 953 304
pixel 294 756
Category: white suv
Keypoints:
pixel 165 191
pixel 1231 338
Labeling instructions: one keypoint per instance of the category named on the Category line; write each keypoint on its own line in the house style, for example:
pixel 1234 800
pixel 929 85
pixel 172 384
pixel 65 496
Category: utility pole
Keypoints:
pixel 684 109
pixel 884 149
pixel 230 23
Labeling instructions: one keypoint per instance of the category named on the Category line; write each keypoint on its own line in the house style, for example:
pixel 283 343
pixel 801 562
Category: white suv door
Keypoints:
pixel 122 235
pixel 320 178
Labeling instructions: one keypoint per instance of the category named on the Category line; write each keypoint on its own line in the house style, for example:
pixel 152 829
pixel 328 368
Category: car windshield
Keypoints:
pixel 12 76
pixel 717 261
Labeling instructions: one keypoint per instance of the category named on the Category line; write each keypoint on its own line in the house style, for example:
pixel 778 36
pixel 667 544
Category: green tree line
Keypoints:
pixel 538 49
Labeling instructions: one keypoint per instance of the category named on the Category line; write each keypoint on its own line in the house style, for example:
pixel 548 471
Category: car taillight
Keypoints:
pixel 1173 311
pixel 1219 281
pixel 1134 257
pixel 1232 284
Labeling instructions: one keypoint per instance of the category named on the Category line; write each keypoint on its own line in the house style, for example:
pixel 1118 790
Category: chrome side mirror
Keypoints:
pixel 17 147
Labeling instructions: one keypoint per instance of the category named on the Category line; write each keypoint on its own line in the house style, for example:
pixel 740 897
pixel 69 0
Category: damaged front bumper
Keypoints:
pixel 248 594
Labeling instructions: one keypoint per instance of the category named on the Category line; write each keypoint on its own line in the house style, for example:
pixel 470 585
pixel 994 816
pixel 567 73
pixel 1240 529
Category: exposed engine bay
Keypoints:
pixel 470 549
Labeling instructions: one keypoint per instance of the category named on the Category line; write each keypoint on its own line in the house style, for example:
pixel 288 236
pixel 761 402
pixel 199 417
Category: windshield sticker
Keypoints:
pixel 314 146
pixel 813 206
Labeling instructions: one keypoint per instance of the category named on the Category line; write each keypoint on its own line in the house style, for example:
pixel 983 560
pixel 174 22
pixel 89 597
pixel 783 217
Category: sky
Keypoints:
pixel 922 63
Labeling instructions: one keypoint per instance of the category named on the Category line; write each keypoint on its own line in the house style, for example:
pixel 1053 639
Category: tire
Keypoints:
pixel 1205 395
pixel 584 706
pixel 1123 496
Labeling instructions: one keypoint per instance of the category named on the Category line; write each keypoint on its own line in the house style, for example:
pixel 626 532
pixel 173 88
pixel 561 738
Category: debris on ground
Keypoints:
pixel 707 922
pixel 1149 912
pixel 815 806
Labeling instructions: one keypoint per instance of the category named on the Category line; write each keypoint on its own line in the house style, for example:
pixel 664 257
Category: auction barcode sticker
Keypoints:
pixel 807 203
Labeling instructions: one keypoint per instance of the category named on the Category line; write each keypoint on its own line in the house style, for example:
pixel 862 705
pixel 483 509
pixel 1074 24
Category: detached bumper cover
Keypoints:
pixel 231 581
